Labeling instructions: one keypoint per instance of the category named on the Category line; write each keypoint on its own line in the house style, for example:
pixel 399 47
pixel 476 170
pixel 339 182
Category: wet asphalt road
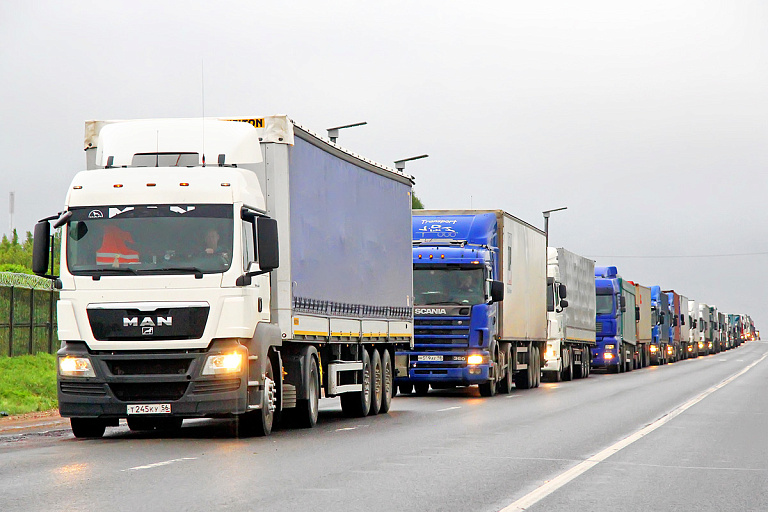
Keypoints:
pixel 451 450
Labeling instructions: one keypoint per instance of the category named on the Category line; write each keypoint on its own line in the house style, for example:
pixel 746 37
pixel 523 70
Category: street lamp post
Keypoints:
pixel 546 222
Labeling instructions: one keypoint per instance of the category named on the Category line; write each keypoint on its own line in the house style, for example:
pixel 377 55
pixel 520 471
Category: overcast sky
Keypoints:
pixel 648 120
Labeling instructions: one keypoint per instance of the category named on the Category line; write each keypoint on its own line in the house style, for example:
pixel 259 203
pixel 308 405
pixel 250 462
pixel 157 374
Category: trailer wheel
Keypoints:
pixel 505 386
pixel 524 379
pixel 388 388
pixel 568 368
pixel 377 382
pixel 358 403
pixel 306 411
pixel 405 389
pixel 87 428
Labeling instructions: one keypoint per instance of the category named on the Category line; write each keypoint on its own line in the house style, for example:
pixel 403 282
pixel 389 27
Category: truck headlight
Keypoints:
pixel 607 355
pixel 70 366
pixel 701 345
pixel 474 359
pixel 654 349
pixel 223 363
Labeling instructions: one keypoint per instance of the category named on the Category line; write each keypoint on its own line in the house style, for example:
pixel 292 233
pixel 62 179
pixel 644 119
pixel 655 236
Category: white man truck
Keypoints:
pixel 247 286
pixel 570 315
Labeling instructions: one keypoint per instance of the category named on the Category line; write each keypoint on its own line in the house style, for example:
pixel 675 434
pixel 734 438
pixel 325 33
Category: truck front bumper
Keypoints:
pixel 174 378
pixel 420 372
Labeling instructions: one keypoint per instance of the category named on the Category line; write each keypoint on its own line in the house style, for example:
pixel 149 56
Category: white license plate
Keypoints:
pixel 149 409
pixel 430 358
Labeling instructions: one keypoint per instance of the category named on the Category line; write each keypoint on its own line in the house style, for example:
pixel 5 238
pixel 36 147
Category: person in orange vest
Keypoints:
pixel 114 251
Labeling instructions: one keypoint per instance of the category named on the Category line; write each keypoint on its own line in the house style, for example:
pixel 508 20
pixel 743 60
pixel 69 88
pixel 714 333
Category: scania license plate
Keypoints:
pixel 430 358
pixel 149 409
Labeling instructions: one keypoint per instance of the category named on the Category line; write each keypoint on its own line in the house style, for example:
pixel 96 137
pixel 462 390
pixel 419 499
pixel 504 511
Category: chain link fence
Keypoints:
pixel 27 315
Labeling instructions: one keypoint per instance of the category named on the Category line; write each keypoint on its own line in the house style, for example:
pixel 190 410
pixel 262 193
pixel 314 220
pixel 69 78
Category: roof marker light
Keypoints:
pixel 225 184
pixel 430 256
pixel 118 185
pixel 183 184
pixel 151 184
pixel 77 187
pixel 442 256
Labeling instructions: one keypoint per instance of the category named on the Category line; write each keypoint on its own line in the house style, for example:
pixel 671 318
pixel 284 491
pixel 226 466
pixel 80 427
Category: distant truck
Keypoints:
pixel 675 325
pixel 615 326
pixel 480 318
pixel 644 324
pixel 245 286
pixel 661 350
pixel 571 322
pixel 695 345
pixel 705 330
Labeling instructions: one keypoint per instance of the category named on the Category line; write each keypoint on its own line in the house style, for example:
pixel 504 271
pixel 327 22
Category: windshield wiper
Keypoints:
pixel 185 270
pixel 96 273
pixel 444 302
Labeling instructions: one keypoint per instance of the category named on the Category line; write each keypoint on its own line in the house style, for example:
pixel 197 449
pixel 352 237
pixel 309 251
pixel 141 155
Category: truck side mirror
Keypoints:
pixel 674 321
pixel 268 251
pixel 41 248
pixel 637 313
pixel 497 291
pixel 682 320
pixel 623 303
pixel 563 291
pixel 563 304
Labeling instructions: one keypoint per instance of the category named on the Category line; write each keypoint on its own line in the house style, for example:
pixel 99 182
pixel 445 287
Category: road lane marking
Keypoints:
pixel 158 464
pixel 345 428
pixel 448 408
pixel 560 480
pixel 514 396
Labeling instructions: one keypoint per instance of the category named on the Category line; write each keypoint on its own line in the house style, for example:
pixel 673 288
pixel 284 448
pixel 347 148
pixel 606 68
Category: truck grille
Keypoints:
pixel 598 326
pixel 149 366
pixel 149 391
pixel 440 333
pixel 184 323
pixel 83 388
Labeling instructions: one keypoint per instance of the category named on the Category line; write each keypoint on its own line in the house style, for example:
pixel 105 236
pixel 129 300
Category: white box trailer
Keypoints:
pixel 570 314
pixel 685 328
pixel 324 320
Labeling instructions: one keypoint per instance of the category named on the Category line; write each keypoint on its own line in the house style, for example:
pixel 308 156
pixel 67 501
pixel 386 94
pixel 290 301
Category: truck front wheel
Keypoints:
pixel 87 428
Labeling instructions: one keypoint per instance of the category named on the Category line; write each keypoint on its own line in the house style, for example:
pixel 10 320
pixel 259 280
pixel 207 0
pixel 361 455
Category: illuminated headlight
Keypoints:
pixel 710 344
pixel 607 356
pixel 701 345
pixel 550 353
pixel 690 348
pixel 223 363
pixel 609 347
pixel 76 367
pixel 654 349
pixel 474 359
pixel 670 349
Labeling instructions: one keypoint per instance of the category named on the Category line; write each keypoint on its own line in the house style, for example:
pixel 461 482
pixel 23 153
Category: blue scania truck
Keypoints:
pixel 616 322
pixel 480 306
pixel 661 350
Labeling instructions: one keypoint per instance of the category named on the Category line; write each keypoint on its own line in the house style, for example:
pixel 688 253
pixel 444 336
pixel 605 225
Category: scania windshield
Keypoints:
pixel 150 239
pixel 604 304
pixel 448 286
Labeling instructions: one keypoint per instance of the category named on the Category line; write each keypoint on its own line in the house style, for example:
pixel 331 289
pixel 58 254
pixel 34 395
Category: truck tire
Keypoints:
pixel 421 389
pixel 388 388
pixel 88 428
pixel 377 382
pixel 537 368
pixel 580 371
pixel 524 379
pixel 260 422
pixel 358 403
pixel 505 386
pixel 568 368
pixel 306 411
pixel 405 389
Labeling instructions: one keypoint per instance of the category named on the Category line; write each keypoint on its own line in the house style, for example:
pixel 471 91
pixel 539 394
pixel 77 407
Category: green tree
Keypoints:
pixel 416 203
pixel 17 257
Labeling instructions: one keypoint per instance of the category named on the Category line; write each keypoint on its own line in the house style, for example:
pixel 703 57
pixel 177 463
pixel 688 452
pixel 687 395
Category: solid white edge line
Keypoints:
pixel 563 478
pixel 159 464
pixel 448 408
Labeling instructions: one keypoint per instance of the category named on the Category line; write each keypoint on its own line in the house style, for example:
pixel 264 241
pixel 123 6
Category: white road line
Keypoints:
pixel 513 396
pixel 448 409
pixel 345 428
pixel 158 464
pixel 563 478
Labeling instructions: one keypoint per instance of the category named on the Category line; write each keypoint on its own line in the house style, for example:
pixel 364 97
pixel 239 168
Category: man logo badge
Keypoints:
pixel 147 331
pixel 95 214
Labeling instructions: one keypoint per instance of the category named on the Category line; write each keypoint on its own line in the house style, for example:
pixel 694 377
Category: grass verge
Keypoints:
pixel 27 383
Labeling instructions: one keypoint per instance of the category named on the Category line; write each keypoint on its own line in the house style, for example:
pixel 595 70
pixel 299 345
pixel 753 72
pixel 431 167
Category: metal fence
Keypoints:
pixel 27 315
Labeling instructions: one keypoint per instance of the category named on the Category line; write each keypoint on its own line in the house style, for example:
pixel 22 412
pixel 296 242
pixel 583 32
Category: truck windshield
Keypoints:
pixel 139 239
pixel 604 305
pixel 448 286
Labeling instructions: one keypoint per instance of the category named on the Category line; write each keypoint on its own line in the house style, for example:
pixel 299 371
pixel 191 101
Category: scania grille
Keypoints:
pixel 446 333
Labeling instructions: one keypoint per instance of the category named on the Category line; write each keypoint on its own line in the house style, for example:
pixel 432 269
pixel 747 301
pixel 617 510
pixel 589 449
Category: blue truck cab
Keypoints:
pixel 661 326
pixel 615 323
pixel 459 295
